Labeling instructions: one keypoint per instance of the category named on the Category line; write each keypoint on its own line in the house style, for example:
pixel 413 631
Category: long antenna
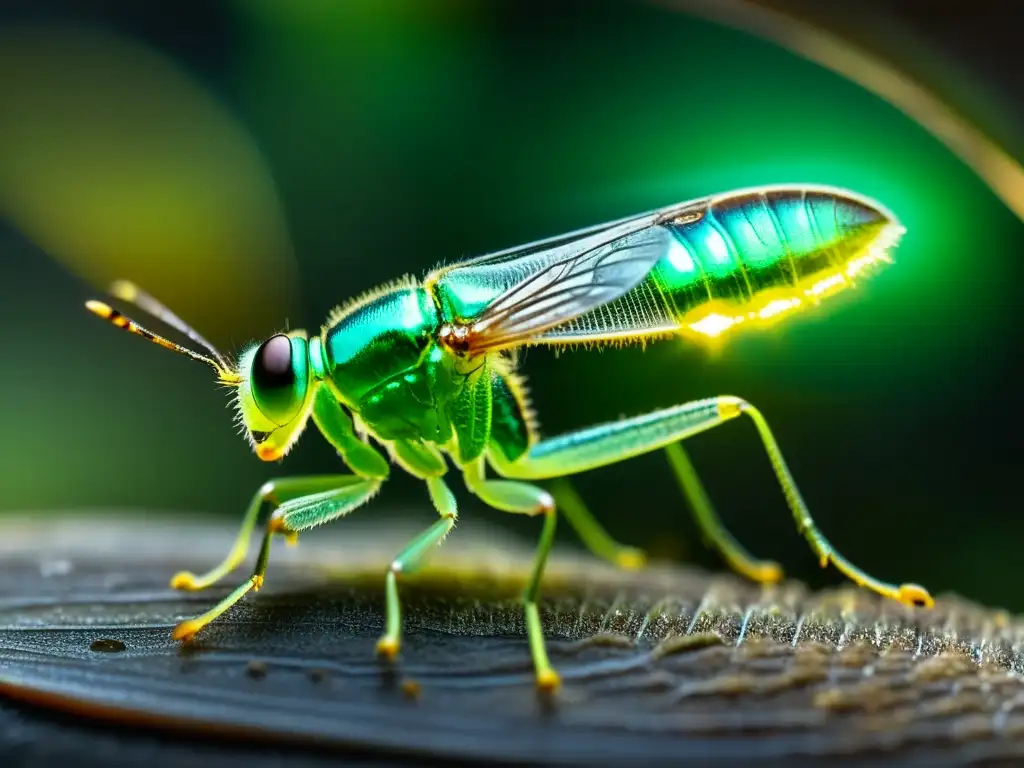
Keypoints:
pixel 112 316
pixel 131 293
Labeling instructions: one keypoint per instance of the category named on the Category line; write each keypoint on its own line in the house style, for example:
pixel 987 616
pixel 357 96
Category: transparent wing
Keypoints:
pixel 568 288
pixel 513 296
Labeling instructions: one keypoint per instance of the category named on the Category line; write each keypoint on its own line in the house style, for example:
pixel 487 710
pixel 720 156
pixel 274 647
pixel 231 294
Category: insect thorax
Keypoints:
pixel 383 356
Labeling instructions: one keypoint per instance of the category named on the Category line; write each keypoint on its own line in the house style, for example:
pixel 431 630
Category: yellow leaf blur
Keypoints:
pixel 115 162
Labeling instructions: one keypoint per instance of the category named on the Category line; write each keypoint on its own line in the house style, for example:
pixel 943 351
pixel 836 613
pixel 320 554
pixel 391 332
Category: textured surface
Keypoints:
pixel 666 664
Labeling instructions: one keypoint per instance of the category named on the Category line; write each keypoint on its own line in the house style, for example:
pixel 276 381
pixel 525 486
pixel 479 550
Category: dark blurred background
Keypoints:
pixel 253 163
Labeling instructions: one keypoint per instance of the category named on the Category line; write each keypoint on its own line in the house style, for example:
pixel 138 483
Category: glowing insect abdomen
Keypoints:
pixel 750 256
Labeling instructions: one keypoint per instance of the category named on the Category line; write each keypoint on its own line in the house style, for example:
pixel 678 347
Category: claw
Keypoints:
pixel 548 681
pixel 631 559
pixel 186 630
pixel 184 580
pixel 915 595
pixel 388 647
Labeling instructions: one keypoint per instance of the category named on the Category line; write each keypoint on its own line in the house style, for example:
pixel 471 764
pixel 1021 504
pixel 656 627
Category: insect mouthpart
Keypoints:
pixel 269 453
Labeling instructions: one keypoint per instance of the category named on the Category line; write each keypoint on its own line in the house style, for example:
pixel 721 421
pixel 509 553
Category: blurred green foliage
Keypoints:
pixel 393 135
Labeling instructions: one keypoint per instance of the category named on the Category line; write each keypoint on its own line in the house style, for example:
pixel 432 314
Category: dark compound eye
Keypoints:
pixel 272 367
pixel 279 378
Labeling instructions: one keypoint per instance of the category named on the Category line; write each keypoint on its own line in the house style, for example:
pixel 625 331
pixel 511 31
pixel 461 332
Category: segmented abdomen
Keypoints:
pixel 749 255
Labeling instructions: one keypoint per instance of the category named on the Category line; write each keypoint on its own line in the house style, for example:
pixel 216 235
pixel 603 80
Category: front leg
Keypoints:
pixel 362 458
pixel 620 440
pixel 275 492
pixel 306 511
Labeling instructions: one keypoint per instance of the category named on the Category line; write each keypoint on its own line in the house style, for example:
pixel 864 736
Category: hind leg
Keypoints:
pixel 525 499
pixel 620 440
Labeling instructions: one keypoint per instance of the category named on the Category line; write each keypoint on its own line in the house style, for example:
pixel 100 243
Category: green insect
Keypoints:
pixel 424 373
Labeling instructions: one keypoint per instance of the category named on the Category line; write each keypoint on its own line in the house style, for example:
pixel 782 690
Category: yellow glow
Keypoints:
pixel 714 324
pixel 714 319
pixel 826 284
pixel 871 258
pixel 777 307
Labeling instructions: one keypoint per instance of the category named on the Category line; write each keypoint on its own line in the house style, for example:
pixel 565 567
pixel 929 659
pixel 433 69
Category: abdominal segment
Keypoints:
pixel 747 258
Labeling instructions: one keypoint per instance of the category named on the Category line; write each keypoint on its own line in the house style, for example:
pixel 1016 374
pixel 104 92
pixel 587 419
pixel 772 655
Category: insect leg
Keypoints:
pixel 306 511
pixel 410 558
pixel 525 499
pixel 591 532
pixel 337 428
pixel 428 464
pixel 718 536
pixel 275 492
pixel 361 457
pixel 616 441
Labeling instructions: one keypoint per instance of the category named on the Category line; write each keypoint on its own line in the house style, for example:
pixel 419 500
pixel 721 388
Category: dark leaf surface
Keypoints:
pixel 665 666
